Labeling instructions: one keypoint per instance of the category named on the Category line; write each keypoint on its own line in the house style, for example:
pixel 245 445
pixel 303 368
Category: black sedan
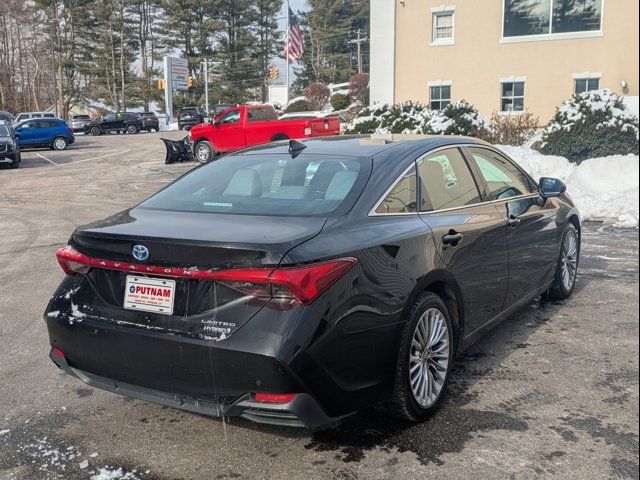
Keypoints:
pixel 295 283
pixel 115 122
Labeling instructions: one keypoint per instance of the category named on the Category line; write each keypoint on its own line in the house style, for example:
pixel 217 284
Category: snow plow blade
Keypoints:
pixel 178 151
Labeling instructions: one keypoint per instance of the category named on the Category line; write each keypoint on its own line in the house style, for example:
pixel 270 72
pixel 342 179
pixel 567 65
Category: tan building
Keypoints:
pixel 503 55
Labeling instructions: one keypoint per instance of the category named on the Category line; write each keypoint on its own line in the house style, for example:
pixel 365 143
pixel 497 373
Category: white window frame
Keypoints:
pixel 441 11
pixel 513 79
pixel 585 76
pixel 552 36
pixel 440 83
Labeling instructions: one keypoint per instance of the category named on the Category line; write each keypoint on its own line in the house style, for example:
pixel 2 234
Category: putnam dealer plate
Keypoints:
pixel 149 294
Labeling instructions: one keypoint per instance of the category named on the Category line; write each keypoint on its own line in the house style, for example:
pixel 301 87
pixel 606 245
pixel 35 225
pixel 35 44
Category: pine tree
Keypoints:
pixel 329 26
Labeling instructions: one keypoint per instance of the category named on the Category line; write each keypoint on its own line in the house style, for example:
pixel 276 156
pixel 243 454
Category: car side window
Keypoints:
pixel 504 180
pixel 446 181
pixel 109 118
pixel 403 196
pixel 29 125
pixel 232 117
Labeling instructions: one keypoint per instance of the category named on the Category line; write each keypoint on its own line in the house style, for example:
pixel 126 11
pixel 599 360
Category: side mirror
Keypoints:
pixel 551 187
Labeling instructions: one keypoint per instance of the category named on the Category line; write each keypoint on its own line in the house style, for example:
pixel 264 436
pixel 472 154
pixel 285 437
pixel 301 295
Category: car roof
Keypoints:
pixel 366 145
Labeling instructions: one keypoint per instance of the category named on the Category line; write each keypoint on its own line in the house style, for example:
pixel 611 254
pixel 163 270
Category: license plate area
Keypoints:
pixel 146 294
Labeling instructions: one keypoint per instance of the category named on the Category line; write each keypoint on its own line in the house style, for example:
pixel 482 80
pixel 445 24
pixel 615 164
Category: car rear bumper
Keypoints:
pixel 200 376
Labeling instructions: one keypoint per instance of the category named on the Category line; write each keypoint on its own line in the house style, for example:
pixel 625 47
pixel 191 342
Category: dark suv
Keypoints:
pixel 190 116
pixel 150 121
pixel 9 150
pixel 115 122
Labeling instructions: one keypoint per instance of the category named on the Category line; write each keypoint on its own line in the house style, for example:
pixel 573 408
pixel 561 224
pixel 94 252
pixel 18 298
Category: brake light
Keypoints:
pixel 307 131
pixel 274 397
pixel 299 285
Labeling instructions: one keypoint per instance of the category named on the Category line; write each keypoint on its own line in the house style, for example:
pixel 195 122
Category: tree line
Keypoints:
pixel 108 53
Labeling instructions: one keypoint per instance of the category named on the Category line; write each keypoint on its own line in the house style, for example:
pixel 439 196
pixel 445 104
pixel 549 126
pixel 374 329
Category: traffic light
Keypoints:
pixel 274 72
pixel 161 84
pixel 190 81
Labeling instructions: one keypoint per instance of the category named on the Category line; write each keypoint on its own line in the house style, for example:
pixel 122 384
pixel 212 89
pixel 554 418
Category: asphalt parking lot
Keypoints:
pixel 550 393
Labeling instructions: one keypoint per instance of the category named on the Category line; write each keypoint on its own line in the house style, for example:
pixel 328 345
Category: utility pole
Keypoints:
pixel 358 41
pixel 286 49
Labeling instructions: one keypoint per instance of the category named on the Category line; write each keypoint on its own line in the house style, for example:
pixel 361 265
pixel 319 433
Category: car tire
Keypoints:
pixel 15 163
pixel 132 129
pixel 564 281
pixel 59 143
pixel 424 360
pixel 95 131
pixel 204 151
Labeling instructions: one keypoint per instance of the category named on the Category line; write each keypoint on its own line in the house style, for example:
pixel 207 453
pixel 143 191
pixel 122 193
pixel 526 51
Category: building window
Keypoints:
pixel 512 99
pixel 442 27
pixel 439 96
pixel 549 17
pixel 586 82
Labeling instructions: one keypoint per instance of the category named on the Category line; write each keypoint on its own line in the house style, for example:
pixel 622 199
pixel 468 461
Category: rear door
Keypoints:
pixel 531 229
pixel 469 233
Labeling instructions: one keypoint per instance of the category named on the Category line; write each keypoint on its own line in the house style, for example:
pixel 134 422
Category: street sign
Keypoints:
pixel 181 77
pixel 179 62
pixel 179 70
pixel 180 85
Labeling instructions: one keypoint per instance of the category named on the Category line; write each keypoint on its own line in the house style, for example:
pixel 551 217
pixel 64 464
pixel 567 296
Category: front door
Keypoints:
pixel 531 229
pixel 27 133
pixel 468 232
pixel 229 134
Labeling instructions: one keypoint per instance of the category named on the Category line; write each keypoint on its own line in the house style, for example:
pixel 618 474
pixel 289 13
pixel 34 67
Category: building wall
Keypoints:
pixel 382 57
pixel 478 59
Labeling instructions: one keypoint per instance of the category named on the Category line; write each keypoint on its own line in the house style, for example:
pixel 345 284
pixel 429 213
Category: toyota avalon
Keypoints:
pixel 295 283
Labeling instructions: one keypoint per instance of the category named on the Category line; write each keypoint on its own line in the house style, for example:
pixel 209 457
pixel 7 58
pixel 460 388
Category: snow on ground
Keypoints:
pixel 604 189
pixel 168 128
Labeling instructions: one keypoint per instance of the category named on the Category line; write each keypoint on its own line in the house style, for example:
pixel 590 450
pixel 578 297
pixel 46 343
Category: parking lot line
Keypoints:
pixel 47 159
pixel 96 158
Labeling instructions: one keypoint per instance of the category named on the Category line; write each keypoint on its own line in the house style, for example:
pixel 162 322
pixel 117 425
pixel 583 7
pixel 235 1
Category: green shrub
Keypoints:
pixel 459 118
pixel 297 106
pixel 591 124
pixel 340 101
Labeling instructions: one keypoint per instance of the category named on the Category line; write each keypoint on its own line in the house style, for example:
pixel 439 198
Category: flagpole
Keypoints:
pixel 287 48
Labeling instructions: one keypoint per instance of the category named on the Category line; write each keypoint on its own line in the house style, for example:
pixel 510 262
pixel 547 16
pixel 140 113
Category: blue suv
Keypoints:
pixel 44 132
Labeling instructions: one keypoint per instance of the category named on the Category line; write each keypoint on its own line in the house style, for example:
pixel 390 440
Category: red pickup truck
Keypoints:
pixel 246 125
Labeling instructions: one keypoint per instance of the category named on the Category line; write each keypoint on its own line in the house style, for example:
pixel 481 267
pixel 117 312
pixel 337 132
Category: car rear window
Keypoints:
pixel 81 117
pixel 268 184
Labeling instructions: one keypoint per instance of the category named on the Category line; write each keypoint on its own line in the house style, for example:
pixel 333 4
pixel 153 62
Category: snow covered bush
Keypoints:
pixel 460 118
pixel 297 106
pixel 340 101
pixel 591 124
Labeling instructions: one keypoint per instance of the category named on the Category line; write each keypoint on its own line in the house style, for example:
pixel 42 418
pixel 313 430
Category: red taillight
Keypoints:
pixel 294 286
pixel 274 397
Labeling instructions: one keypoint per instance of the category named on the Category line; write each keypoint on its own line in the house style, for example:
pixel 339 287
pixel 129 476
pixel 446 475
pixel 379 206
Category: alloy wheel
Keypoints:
pixel 429 357
pixel 59 144
pixel 203 153
pixel 569 260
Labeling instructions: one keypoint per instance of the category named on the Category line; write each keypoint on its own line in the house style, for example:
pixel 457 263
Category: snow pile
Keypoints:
pixel 169 128
pixel 604 189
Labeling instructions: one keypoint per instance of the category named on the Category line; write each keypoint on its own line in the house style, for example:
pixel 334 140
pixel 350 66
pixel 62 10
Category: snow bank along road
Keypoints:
pixel 553 392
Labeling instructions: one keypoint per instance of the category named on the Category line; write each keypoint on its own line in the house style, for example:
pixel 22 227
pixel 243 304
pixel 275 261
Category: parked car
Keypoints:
pixel 9 149
pixel 44 132
pixel 246 125
pixel 78 122
pixel 7 117
pixel 115 122
pixel 149 121
pixel 247 288
pixel 218 109
pixel 27 115
pixel 190 116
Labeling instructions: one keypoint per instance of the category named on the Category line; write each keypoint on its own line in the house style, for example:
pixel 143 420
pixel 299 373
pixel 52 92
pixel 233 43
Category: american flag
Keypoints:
pixel 294 47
